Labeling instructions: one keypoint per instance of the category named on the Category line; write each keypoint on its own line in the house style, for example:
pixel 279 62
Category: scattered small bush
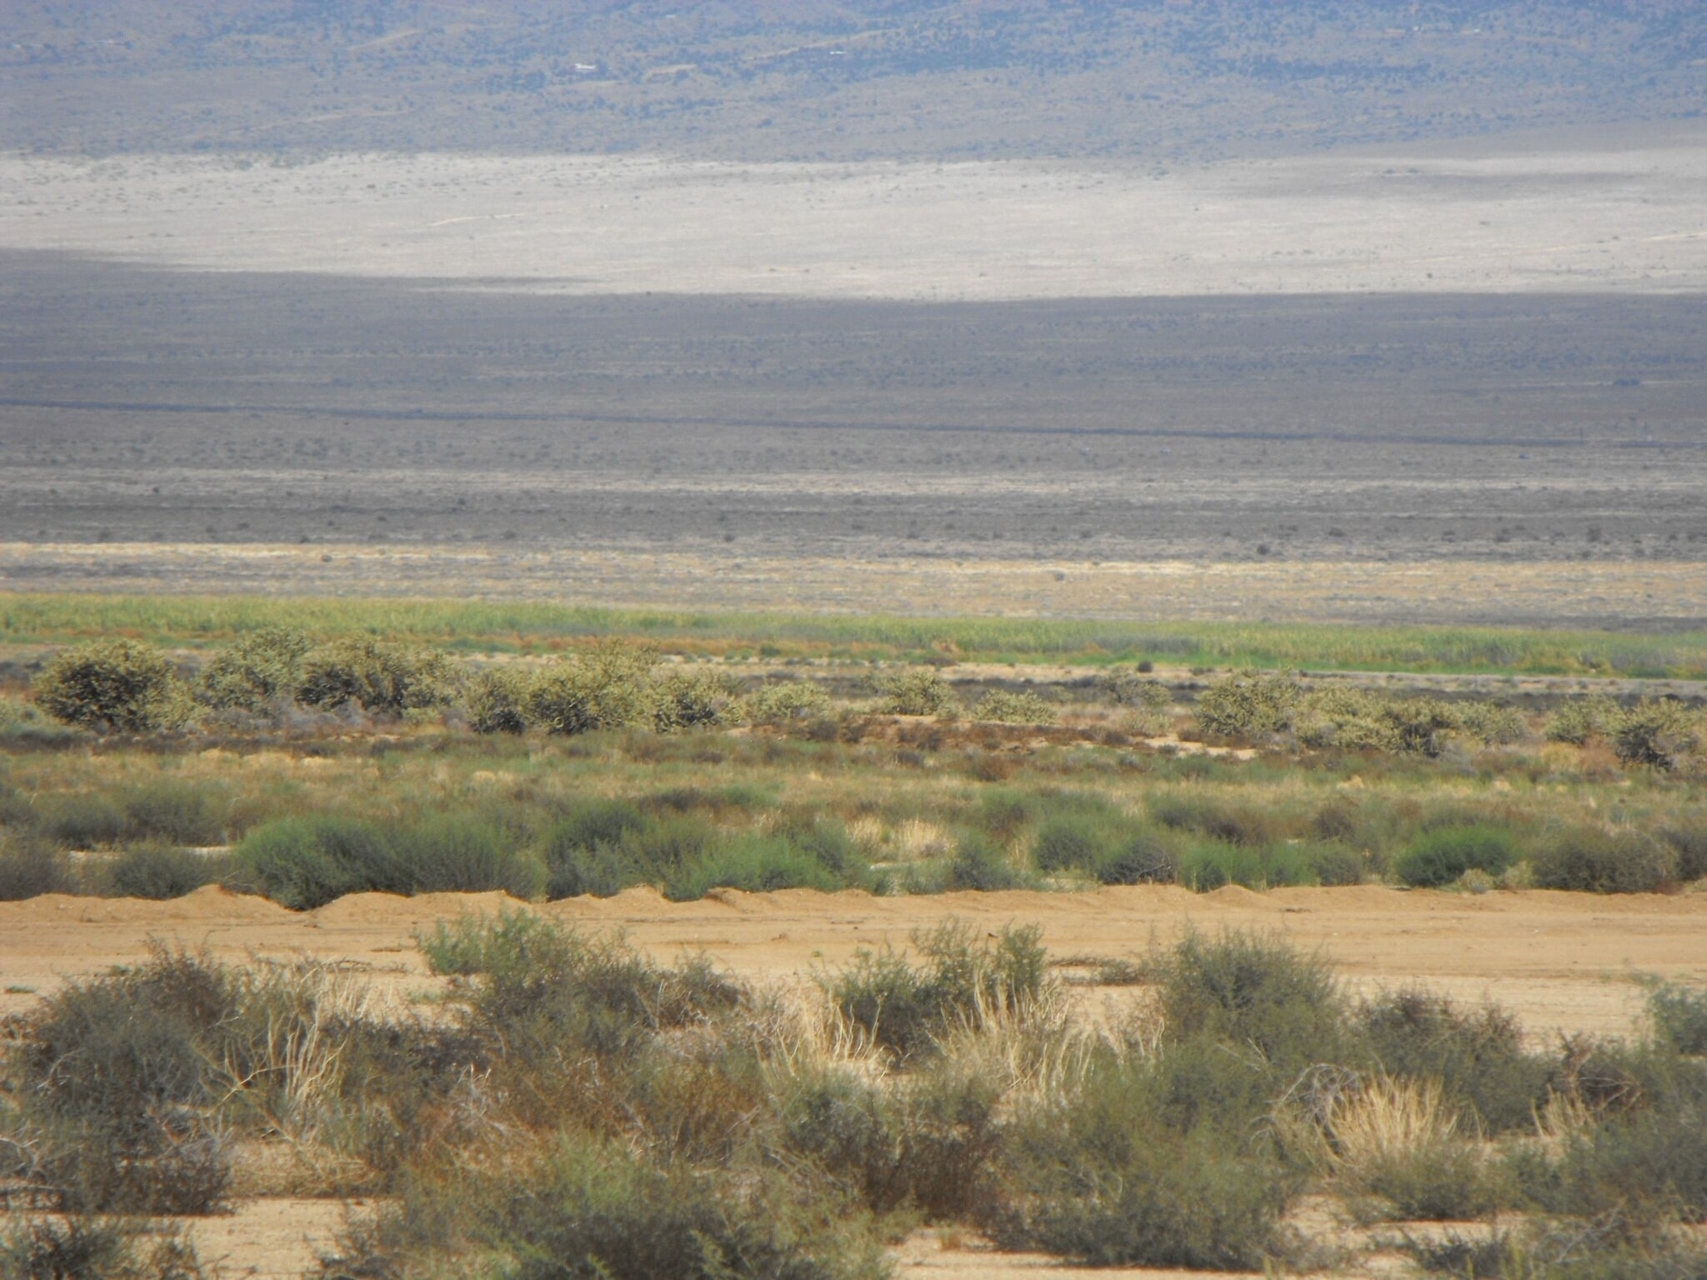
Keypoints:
pixel 608 687
pixel 683 701
pixel 1477 1056
pixel 1440 856
pixel 1594 860
pixel 496 702
pixel 907 1009
pixel 1657 733
pixel 915 691
pixel 1679 1016
pixel 1006 707
pixel 30 867
pixel 1252 991
pixel 376 676
pixel 257 672
pixel 95 1248
pixel 117 685
pixel 1577 720
pixel 1241 707
pixel 786 700
pixel 978 864
pixel 160 871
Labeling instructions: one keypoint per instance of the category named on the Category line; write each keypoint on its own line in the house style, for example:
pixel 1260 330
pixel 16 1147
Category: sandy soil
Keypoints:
pixel 1563 962
pixel 1626 219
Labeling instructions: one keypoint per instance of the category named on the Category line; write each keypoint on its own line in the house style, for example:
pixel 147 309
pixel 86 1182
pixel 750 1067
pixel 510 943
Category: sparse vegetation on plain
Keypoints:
pixel 572 1107
pixel 1265 780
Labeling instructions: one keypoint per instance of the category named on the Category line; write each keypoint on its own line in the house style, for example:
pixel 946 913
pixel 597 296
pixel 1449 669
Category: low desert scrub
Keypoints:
pixel 113 685
pixel 1398 1140
pixel 307 862
pixel 1490 1082
pixel 907 1009
pixel 1679 1015
pixel 1006 707
pixel 376 676
pixel 575 1108
pixel 1441 856
pixel 96 1248
pixel 914 691
pixel 785 701
pixel 1599 860
pixel 257 673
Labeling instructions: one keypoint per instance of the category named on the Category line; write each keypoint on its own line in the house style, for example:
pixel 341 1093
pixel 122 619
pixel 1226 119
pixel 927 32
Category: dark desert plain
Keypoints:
pixel 1362 315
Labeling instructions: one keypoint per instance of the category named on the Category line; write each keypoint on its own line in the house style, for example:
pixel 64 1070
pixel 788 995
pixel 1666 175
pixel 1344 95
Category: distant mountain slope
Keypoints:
pixel 1155 80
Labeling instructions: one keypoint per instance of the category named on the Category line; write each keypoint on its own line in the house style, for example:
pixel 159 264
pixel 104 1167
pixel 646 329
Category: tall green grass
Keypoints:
pixel 39 618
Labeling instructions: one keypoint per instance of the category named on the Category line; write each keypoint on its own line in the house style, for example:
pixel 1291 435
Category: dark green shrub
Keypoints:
pixel 375 676
pixel 608 687
pixel 1241 707
pixel 1593 860
pixel 1689 838
pixel 1076 840
pixel 1576 720
pixel 160 871
pixel 978 864
pixel 906 1009
pixel 1648 1167
pixel 756 864
pixel 307 862
pixel 1442 856
pixel 496 702
pixel 1337 866
pixel 1679 1016
pixel 592 1210
pixel 928 1144
pixel 117 1073
pixel 1477 1056
pixel 1005 707
pixel 1142 858
pixel 462 853
pixel 1114 1176
pixel 915 691
pixel 30 868
pixel 683 701
pixel 82 821
pixel 1231 824
pixel 1656 733
pixel 1252 991
pixel 257 672
pixel 181 814
pixel 1206 864
pixel 548 991
pixel 118 685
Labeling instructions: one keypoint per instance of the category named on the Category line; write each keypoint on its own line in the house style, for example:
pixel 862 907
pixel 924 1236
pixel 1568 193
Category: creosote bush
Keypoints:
pixel 915 691
pixel 907 1009
pixel 1596 860
pixel 117 685
pixel 1443 855
pixel 257 672
pixel 376 676
pixel 1006 707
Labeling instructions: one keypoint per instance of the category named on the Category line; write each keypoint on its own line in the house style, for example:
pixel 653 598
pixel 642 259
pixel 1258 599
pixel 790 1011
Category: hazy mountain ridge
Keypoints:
pixel 915 80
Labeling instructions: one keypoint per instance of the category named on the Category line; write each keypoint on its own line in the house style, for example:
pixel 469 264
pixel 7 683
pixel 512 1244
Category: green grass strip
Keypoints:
pixel 210 620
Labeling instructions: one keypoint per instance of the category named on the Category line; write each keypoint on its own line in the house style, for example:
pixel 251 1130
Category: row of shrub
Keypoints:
pixel 577 1109
pixel 129 687
pixel 687 842
pixel 1662 733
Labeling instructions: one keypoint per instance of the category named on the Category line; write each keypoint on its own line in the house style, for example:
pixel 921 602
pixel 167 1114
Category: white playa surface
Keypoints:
pixel 1581 218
